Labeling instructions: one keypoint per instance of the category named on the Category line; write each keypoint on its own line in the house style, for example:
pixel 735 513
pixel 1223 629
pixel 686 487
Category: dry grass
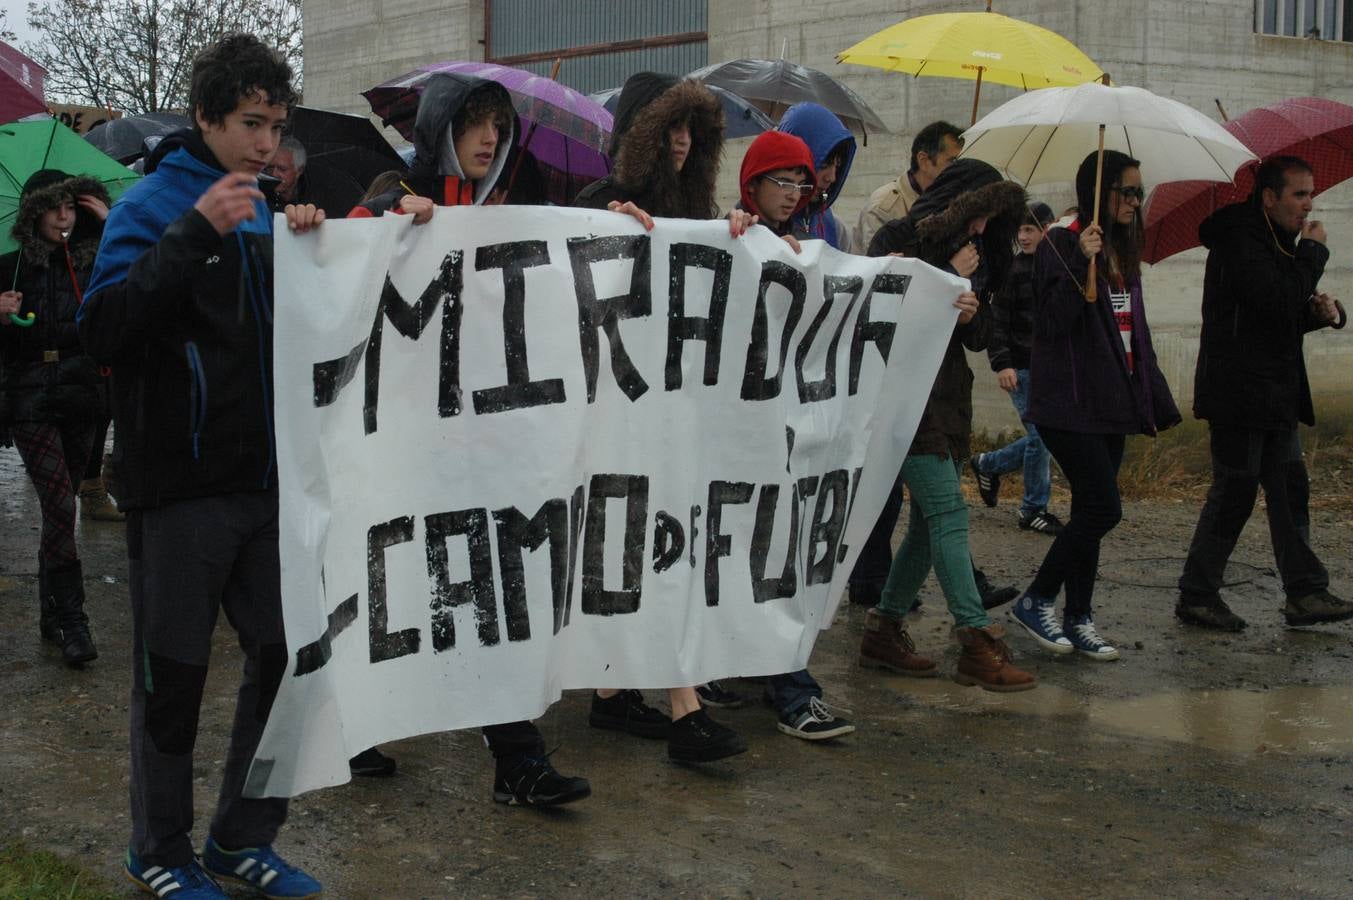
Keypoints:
pixel 1176 465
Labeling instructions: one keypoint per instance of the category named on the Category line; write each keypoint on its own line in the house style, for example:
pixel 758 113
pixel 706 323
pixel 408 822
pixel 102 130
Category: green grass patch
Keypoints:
pixel 27 874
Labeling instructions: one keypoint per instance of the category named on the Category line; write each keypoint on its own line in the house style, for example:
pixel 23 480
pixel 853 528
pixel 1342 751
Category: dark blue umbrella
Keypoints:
pixel 741 118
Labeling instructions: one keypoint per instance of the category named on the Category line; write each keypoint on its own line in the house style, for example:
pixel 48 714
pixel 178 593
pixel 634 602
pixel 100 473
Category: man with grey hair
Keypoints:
pixel 288 165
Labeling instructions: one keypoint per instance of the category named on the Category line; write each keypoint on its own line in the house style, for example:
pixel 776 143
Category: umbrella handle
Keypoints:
pixel 25 322
pixel 1091 282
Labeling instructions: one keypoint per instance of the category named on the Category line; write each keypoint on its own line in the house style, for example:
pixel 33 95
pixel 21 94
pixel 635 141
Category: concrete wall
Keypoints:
pixel 1191 50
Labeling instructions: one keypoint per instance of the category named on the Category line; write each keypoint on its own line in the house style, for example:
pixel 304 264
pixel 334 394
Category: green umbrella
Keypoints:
pixel 26 147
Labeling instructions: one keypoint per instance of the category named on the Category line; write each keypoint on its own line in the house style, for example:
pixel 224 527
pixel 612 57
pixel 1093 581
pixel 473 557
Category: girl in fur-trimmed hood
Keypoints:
pixel 663 177
pixel 48 385
pixel 965 223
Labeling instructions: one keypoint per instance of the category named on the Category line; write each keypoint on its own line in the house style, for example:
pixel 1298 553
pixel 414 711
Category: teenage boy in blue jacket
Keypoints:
pixel 180 306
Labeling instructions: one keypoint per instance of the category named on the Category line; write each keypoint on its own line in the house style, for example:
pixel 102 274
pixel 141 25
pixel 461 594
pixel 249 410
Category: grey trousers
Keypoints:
pixel 187 561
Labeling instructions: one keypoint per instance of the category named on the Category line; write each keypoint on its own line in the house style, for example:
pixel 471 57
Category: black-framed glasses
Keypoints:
pixel 1131 192
pixel 790 187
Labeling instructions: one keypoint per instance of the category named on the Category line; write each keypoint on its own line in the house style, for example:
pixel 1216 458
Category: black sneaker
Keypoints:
pixel 534 782
pixel 992 596
pixel 695 737
pixel 1313 609
pixel 716 695
pixel 989 486
pixel 1043 522
pixel 814 722
pixel 371 763
pixel 1208 612
pixel 628 712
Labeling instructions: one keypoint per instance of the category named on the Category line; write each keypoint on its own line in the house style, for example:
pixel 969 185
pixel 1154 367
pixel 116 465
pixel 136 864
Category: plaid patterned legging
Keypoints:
pixel 51 453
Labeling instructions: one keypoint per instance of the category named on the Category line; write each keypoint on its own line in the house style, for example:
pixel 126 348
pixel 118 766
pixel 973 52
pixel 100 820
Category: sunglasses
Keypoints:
pixel 1131 192
pixel 790 187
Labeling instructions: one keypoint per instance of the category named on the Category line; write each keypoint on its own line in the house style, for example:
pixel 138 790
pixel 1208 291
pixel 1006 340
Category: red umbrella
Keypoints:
pixel 20 85
pixel 1319 131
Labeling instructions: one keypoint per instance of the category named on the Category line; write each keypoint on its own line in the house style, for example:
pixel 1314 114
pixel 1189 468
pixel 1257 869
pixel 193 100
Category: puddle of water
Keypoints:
pixel 1292 719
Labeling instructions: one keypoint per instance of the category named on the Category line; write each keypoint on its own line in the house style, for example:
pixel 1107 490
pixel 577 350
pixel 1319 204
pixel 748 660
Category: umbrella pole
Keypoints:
pixel 976 95
pixel 531 132
pixel 1091 284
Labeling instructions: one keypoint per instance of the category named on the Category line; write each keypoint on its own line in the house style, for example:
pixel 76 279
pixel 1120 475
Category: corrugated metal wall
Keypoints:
pixel 538 26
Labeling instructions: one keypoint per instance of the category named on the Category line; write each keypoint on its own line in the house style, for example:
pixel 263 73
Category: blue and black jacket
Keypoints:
pixel 184 318
pixel 823 132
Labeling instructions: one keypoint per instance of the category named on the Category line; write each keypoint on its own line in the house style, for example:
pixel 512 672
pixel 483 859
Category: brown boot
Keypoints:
pixel 96 504
pixel 886 645
pixel 985 661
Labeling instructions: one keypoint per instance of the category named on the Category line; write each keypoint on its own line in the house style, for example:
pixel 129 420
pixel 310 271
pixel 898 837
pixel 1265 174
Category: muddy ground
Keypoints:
pixel 1197 765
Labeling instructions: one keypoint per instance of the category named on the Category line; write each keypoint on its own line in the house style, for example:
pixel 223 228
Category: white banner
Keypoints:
pixel 526 450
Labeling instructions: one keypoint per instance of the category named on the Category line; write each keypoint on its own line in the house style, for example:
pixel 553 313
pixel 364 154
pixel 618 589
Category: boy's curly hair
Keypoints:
pixel 232 69
pixel 485 102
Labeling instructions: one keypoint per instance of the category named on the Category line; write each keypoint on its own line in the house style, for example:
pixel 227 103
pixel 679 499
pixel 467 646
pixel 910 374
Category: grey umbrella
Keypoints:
pixel 774 85
pixel 130 137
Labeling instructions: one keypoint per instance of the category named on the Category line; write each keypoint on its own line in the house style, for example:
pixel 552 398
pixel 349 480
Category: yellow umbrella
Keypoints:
pixel 979 46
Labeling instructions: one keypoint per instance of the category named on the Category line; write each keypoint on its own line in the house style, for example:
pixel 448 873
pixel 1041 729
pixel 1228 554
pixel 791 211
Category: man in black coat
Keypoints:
pixel 1264 261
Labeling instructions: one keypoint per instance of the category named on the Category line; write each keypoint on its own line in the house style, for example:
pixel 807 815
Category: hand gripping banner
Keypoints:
pixel 524 450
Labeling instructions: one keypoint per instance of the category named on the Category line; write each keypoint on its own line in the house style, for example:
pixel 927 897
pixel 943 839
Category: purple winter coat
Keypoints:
pixel 1078 375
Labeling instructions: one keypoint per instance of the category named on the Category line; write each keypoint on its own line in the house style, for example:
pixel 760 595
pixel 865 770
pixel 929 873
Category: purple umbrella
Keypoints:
pixel 564 130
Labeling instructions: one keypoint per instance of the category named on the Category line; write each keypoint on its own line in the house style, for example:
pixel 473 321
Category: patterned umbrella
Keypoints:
pixel 563 129
pixel 1320 131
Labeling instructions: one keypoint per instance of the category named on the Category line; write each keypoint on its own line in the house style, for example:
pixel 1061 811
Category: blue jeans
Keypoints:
pixel 1028 452
pixel 792 691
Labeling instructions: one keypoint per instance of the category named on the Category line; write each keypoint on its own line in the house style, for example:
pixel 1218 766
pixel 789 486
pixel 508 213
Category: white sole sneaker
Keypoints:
pixel 1061 648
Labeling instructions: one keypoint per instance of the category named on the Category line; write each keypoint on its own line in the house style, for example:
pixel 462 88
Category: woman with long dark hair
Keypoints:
pixel 1093 380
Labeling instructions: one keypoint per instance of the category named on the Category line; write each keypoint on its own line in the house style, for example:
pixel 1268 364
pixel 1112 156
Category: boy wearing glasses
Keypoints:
pixel 776 182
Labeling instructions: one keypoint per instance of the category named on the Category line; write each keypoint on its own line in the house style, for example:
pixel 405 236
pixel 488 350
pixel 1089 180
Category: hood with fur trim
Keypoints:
pixel 84 238
pixel 643 164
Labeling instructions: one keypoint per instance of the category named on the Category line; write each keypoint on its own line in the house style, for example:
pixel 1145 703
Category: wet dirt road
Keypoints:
pixel 1198 765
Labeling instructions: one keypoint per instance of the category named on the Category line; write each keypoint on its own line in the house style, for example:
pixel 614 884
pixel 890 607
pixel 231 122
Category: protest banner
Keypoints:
pixel 82 119
pixel 525 450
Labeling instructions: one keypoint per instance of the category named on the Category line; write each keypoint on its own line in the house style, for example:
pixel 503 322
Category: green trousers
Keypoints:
pixel 937 537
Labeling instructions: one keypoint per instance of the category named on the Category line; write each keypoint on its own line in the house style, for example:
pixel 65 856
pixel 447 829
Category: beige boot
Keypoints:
pixel 95 504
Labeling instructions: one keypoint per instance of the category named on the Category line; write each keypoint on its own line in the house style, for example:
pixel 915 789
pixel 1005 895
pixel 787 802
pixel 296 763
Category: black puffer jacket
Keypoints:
pixel 1256 311
pixel 649 106
pixel 934 230
pixel 46 375
pixel 1012 317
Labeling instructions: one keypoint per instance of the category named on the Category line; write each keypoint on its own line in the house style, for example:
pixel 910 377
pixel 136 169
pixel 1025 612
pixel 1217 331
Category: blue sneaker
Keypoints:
pixel 1037 616
pixel 188 882
pixel 1087 642
pixel 261 869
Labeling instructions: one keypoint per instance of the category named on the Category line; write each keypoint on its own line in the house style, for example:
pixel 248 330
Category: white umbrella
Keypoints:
pixel 1042 136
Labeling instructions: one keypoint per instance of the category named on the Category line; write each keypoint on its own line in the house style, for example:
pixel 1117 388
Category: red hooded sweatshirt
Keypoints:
pixel 770 151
